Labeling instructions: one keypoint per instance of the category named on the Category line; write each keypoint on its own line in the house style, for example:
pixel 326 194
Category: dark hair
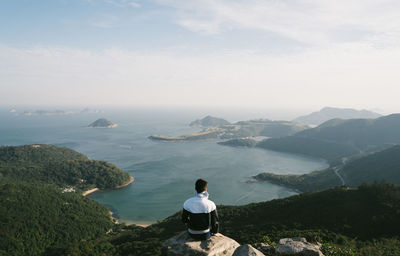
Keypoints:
pixel 201 185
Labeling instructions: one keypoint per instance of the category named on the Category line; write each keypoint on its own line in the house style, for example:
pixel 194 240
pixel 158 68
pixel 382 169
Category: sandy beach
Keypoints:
pixel 131 179
pixel 144 225
pixel 87 192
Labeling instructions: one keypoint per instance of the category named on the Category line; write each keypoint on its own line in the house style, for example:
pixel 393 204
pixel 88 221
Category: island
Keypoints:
pixel 102 123
pixel 209 121
pixel 242 129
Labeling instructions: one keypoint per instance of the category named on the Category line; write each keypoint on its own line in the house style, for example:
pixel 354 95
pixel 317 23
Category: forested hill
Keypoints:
pixel 379 166
pixel 338 138
pixel 59 166
pixel 41 220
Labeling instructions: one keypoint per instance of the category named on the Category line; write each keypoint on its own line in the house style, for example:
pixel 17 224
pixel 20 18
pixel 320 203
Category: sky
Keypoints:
pixel 281 54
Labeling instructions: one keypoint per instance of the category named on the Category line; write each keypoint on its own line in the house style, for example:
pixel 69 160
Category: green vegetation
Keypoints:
pixel 250 143
pixel 330 151
pixel 314 181
pixel 59 166
pixel 37 220
pixel 364 221
pixel 337 138
pixel 383 165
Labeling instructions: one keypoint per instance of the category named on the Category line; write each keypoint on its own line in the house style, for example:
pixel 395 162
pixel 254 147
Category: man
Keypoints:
pixel 200 214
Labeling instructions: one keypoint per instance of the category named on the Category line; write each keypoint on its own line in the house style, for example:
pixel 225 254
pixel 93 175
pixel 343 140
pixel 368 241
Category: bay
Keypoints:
pixel 164 172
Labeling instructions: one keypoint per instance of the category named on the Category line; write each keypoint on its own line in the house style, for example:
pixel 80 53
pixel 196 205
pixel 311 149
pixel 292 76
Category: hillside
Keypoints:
pixel 338 138
pixel 383 165
pixel 364 221
pixel 40 220
pixel 56 165
pixel 209 121
pixel 328 113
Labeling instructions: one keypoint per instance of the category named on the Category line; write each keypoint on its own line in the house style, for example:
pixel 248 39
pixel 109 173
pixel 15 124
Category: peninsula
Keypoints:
pixel 242 129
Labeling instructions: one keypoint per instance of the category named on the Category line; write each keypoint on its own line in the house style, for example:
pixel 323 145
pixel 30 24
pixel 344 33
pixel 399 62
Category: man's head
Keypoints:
pixel 201 185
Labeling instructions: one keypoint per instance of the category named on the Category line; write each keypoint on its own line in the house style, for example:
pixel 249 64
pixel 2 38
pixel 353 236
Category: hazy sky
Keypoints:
pixel 242 53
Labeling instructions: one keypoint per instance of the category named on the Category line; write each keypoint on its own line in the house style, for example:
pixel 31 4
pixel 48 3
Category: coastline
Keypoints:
pixel 140 224
pixel 90 191
pixel 131 179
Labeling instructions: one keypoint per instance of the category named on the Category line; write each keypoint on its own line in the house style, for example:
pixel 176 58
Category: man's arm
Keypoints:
pixel 185 216
pixel 214 222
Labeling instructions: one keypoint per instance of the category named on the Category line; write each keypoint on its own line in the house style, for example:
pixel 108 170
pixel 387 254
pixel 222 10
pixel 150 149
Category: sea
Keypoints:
pixel 164 172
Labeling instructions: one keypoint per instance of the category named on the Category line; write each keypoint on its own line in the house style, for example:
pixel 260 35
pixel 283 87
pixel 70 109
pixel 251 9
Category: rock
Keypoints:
pixel 182 245
pixel 297 246
pixel 247 250
pixel 266 249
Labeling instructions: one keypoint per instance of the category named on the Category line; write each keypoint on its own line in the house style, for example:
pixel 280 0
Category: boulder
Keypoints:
pixel 247 250
pixel 297 246
pixel 182 245
pixel 266 249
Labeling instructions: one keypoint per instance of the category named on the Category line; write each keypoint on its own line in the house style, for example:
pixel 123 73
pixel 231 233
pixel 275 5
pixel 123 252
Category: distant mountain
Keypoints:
pixel 59 166
pixel 327 113
pixel 209 121
pixel 383 165
pixel 338 138
pixel 102 123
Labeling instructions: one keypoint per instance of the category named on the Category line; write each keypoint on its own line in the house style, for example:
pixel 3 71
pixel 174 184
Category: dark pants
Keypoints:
pixel 200 237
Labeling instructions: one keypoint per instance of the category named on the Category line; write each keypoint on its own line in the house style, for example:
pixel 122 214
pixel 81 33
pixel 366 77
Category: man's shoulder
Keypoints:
pixel 188 201
pixel 212 204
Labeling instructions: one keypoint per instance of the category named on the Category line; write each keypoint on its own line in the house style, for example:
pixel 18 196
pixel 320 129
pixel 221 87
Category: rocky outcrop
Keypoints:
pixel 266 249
pixel 182 245
pixel 297 246
pixel 247 250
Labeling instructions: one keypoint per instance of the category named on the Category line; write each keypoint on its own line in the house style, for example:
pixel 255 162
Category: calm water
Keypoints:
pixel 164 172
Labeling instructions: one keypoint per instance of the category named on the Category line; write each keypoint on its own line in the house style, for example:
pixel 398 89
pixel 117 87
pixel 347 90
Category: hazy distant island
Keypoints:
pixel 209 121
pixel 58 112
pixel 102 123
pixel 243 129
pixel 328 113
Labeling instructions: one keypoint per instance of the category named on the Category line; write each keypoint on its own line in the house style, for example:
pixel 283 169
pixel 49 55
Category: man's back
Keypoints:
pixel 201 216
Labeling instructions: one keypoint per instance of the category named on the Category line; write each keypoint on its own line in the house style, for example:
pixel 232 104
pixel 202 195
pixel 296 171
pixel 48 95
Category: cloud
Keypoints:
pixel 123 3
pixel 308 21
pixel 352 75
